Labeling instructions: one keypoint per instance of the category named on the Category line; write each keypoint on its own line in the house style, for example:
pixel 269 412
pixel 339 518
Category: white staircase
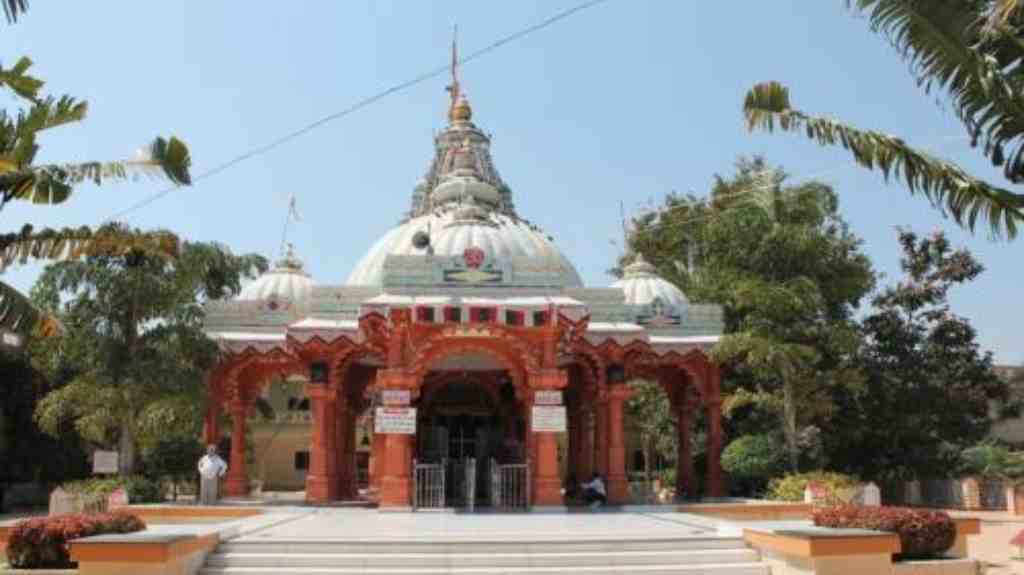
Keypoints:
pixel 682 556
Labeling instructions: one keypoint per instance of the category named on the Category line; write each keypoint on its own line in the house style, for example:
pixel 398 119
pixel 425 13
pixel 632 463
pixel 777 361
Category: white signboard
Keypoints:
pixel 548 418
pixel 398 420
pixel 104 461
pixel 400 397
pixel 547 397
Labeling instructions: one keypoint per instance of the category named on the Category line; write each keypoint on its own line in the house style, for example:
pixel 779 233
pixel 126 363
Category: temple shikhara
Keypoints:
pixel 463 361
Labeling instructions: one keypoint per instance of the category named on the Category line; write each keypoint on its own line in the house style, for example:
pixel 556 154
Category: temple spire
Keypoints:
pixel 454 90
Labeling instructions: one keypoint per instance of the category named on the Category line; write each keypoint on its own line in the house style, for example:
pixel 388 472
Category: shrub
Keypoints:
pixel 173 457
pixel 138 488
pixel 922 534
pixel 754 457
pixel 43 542
pixel 791 487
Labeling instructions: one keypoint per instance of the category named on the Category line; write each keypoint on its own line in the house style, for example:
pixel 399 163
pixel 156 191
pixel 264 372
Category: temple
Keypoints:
pixel 463 335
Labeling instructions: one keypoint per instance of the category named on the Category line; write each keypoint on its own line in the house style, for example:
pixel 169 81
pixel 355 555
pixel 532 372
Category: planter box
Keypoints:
pixel 936 567
pixel 5 570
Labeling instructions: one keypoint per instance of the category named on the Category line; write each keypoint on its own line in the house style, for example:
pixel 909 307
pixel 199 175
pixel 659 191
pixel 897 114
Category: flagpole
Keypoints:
pixel 293 213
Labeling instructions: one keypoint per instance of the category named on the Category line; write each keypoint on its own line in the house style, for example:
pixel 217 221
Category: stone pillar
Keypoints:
pixel 547 482
pixel 396 483
pixel 585 456
pixel 572 443
pixel 237 483
pixel 601 437
pixel 715 481
pixel 377 456
pixel 971 490
pixel 686 486
pixel 319 480
pixel 618 484
pixel 345 448
pixel 211 423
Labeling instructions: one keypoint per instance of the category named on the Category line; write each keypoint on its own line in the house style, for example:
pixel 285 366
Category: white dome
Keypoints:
pixel 643 286
pixel 454 230
pixel 286 282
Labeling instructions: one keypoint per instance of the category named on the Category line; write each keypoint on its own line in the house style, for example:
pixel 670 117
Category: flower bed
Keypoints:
pixel 42 543
pixel 923 534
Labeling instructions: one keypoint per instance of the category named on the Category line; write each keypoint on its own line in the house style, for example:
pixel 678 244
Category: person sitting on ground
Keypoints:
pixel 211 469
pixel 594 492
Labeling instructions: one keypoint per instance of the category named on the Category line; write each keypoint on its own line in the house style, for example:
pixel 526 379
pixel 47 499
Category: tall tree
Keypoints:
pixel 972 50
pixel 132 351
pixel 929 388
pixel 788 272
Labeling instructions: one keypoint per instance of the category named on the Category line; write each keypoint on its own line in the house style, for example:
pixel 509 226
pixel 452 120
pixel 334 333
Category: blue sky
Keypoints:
pixel 628 100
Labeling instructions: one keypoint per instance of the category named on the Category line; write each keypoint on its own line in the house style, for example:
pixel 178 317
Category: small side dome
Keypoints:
pixel 286 283
pixel 643 287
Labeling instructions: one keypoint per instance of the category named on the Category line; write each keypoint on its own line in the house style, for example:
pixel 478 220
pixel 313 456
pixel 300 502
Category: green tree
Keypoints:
pixel 755 459
pixel 970 49
pixel 781 261
pixel 649 411
pixel 133 351
pixel 929 389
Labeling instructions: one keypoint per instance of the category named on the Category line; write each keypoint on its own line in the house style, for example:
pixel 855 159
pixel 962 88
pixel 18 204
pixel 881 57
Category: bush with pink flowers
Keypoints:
pixel 923 534
pixel 43 542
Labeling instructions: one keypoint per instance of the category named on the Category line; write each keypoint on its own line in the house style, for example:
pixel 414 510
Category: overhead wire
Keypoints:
pixel 284 139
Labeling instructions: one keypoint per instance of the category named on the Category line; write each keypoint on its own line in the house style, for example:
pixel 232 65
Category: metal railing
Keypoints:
pixel 428 490
pixel 510 485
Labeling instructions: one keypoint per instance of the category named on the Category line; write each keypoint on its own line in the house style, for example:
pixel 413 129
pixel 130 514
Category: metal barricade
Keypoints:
pixel 510 485
pixel 992 494
pixel 944 493
pixel 470 490
pixel 428 485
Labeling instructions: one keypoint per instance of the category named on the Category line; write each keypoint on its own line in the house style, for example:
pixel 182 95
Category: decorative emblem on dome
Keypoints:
pixel 276 303
pixel 474 257
pixel 659 314
pixel 472 267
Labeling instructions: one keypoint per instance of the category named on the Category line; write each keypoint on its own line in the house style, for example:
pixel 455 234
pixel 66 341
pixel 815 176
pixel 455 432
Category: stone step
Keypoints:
pixel 350 546
pixel 701 569
pixel 444 560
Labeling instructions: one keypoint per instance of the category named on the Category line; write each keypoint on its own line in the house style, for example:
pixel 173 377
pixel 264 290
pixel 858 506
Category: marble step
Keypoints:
pixel 701 569
pixel 349 546
pixel 445 560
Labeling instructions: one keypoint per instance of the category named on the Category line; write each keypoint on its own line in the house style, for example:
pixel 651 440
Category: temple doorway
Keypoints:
pixel 466 419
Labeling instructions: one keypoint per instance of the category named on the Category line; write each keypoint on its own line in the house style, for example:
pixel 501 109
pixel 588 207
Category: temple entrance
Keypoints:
pixel 466 421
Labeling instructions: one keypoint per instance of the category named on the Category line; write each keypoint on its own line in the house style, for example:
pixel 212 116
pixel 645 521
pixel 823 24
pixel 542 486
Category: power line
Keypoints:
pixel 360 105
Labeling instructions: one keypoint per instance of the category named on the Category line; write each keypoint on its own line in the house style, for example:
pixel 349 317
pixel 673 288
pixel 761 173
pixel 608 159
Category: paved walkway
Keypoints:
pixel 335 524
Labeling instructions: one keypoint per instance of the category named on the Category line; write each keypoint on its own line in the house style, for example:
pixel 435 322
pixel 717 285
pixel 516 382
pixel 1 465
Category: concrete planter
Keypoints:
pixel 4 570
pixel 1015 499
pixel 937 567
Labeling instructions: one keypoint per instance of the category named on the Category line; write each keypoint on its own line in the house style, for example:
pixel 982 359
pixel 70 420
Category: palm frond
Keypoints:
pixel 13 9
pixel 950 45
pixel 76 243
pixel 965 198
pixel 53 183
pixel 18 81
pixel 17 314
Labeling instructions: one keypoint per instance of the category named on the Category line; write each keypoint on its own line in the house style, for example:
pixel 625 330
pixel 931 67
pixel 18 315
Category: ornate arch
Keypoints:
pixel 508 351
pixel 249 372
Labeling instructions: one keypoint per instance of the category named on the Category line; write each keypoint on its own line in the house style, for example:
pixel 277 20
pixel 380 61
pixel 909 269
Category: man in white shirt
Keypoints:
pixel 211 469
pixel 594 492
